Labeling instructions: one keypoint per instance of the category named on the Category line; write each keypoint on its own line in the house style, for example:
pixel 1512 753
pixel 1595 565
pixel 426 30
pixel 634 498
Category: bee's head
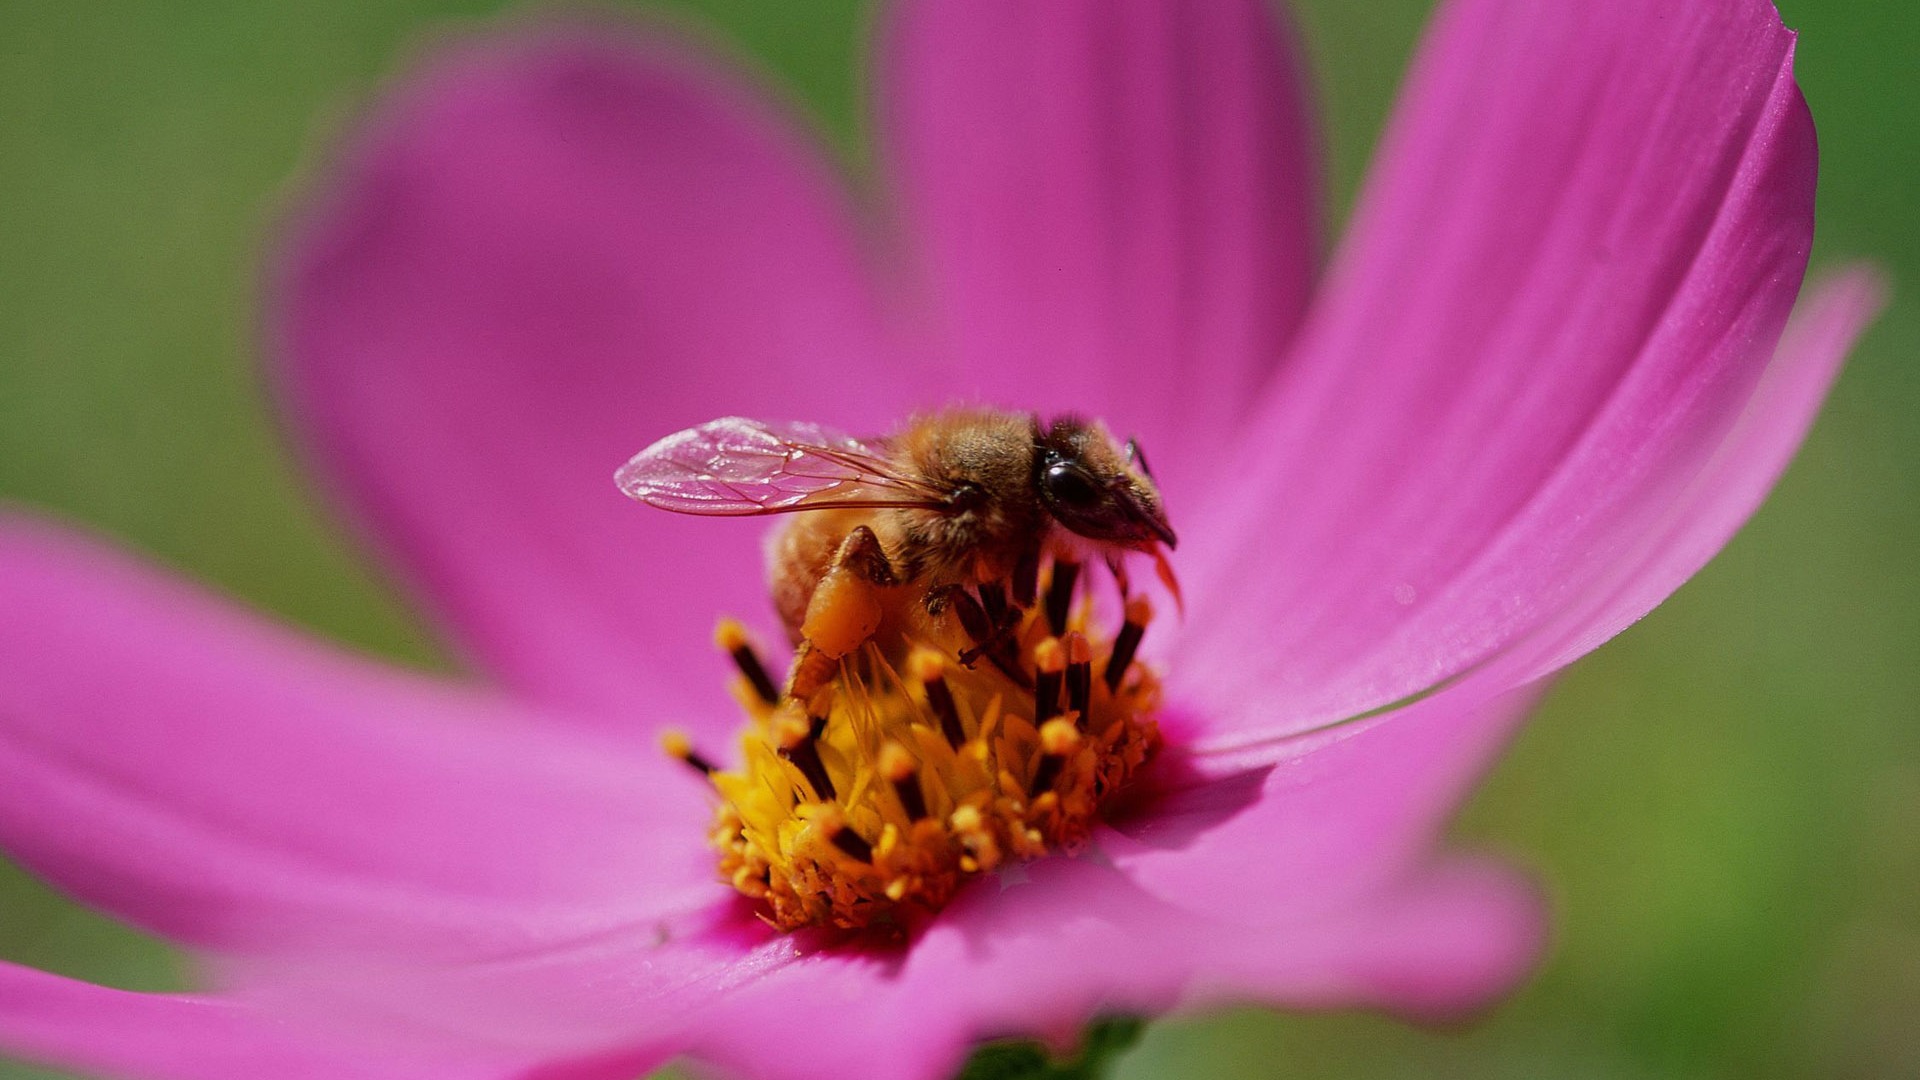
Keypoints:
pixel 1097 488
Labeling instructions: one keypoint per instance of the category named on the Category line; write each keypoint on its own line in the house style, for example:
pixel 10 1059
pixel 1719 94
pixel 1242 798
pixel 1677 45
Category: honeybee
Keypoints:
pixel 948 517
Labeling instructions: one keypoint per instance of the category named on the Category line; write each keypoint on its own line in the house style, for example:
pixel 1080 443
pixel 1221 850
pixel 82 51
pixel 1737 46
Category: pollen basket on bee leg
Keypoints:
pixel 909 772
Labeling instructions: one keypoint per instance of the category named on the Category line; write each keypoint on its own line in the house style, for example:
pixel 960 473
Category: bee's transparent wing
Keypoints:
pixel 734 466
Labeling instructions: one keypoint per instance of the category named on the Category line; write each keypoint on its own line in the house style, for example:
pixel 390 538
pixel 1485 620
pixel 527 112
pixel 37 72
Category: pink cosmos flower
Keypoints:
pixel 1547 375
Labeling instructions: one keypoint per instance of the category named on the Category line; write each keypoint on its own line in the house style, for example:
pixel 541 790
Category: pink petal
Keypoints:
pixel 1036 954
pixel 540 255
pixel 1673 546
pixel 787 1006
pixel 625 997
pixel 1571 267
pixel 1297 892
pixel 1449 941
pixel 1293 889
pixel 224 783
pixel 1727 490
pixel 1038 957
pixel 1317 821
pixel 1041 957
pixel 64 1023
pixel 1117 205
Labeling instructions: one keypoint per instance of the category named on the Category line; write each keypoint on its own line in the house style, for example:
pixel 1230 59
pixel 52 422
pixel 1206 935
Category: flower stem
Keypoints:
pixel 1105 1041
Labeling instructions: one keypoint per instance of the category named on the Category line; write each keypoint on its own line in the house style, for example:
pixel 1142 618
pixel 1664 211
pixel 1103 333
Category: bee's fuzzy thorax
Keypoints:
pixel 985 459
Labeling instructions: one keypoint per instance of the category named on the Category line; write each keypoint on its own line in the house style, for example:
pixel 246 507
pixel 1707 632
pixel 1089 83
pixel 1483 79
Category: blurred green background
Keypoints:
pixel 1724 803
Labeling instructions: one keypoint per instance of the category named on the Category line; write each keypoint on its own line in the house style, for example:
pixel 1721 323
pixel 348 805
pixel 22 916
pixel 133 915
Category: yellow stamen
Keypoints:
pixel 1058 738
pixel 896 764
pixel 729 635
pixel 908 773
pixel 676 744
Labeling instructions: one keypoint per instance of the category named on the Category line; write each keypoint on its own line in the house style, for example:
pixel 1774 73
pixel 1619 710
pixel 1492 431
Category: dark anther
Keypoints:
pixel 850 842
pixel 1026 579
pixel 1060 595
pixel 698 761
pixel 1123 649
pixel 749 664
pixel 805 756
pixel 911 800
pixel 940 699
pixel 1047 771
pixel 1079 679
pixel 1046 696
pixel 993 600
pixel 1008 661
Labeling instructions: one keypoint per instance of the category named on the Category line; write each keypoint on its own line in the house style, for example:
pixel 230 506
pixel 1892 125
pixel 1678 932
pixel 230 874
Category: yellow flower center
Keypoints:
pixel 902 781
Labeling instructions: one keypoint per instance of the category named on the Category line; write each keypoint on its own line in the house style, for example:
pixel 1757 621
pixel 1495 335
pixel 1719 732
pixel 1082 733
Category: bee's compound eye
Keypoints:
pixel 1068 484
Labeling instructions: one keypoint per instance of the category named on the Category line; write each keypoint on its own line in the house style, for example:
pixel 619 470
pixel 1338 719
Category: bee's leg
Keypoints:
pixel 990 623
pixel 974 620
pixel 844 611
pixel 1004 617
